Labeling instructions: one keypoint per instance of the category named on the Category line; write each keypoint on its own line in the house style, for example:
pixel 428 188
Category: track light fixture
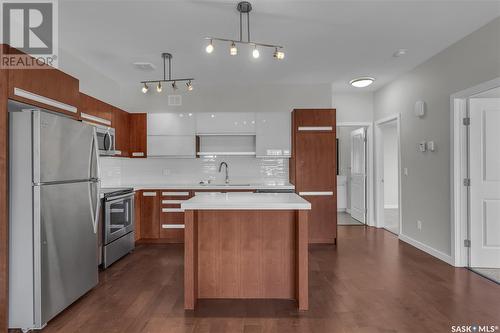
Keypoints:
pixel 159 86
pixel 244 7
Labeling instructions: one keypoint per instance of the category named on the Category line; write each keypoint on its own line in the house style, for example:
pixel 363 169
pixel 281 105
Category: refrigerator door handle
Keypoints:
pixel 94 211
pixel 94 157
pixel 95 180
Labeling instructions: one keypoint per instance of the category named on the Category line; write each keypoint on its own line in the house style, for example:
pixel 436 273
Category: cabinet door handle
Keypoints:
pixel 172 226
pixel 138 154
pixel 175 194
pixel 175 202
pixel 149 194
pixel 316 193
pixel 315 128
pixel 172 210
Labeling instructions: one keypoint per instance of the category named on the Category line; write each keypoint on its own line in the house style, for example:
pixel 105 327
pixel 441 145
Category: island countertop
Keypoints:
pixel 246 201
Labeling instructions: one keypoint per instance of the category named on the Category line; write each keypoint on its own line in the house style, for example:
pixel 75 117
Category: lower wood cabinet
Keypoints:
pixel 150 214
pixel 322 217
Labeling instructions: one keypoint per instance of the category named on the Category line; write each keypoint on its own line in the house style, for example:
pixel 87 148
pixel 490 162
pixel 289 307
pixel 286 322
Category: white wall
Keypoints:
pixel 390 151
pixel 426 190
pixel 353 107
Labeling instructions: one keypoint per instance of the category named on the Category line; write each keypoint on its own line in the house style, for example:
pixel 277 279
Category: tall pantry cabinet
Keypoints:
pixel 313 169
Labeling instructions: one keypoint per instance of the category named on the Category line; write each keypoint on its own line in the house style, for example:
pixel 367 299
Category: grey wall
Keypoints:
pixel 426 190
pixel 353 107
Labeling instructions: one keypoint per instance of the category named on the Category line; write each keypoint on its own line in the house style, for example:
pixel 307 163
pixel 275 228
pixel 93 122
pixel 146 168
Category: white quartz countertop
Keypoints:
pixel 216 186
pixel 250 201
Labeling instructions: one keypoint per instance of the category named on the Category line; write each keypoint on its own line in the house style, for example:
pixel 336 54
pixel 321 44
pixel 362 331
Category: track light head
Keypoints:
pixel 210 47
pixel 174 86
pixel 255 52
pixel 189 86
pixel 279 54
pixel 159 88
pixel 233 50
pixel 145 88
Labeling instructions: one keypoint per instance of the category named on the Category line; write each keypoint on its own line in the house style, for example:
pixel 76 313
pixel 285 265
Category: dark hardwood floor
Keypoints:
pixel 370 282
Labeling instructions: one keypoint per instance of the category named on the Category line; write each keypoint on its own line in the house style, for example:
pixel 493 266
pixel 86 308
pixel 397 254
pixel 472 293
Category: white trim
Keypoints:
pixel 235 153
pixel 315 128
pixel 174 202
pixel 458 170
pixel 172 210
pixel 426 248
pixel 379 189
pixel 94 118
pixel 45 100
pixel 341 210
pixel 348 210
pixel 316 193
pixel 172 226
pixel 370 197
pixel 391 206
pixel 175 194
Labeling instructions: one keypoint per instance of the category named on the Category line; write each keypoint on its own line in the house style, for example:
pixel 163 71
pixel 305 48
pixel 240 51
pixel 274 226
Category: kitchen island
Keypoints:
pixel 246 246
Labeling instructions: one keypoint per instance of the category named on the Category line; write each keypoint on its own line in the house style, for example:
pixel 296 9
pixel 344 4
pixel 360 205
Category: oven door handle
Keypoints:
pixel 119 197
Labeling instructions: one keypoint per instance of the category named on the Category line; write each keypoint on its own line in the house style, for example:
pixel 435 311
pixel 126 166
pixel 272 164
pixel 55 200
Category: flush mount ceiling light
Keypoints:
pixel 400 53
pixel 245 7
pixel 159 86
pixel 361 82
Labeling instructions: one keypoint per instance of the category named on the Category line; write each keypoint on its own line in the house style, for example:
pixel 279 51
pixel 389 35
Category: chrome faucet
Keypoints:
pixel 227 171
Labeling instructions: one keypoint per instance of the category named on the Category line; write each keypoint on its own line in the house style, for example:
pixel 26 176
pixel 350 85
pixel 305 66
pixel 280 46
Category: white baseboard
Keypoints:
pixel 348 211
pixel 426 248
pixel 390 206
pixel 341 210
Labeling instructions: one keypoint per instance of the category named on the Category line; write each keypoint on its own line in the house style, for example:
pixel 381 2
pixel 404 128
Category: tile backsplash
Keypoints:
pixel 122 171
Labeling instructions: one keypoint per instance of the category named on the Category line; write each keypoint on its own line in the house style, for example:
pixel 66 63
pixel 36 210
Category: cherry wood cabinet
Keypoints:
pixel 138 135
pixel 121 124
pixel 137 214
pixel 95 111
pixel 313 169
pixel 150 214
pixel 171 215
pixel 47 88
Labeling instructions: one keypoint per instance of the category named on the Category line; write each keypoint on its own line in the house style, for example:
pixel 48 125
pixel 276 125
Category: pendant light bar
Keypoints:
pixel 159 88
pixel 244 7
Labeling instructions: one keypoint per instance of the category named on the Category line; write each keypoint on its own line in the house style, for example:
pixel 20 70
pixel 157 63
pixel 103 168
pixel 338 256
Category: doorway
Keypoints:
pixel 484 188
pixel 352 175
pixel 388 180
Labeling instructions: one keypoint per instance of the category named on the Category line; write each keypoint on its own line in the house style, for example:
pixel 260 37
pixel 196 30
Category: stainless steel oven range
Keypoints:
pixel 118 227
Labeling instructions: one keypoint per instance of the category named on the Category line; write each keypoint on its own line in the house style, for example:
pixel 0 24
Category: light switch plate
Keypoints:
pixel 422 146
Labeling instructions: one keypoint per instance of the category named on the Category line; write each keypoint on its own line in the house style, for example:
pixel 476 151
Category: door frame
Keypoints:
pixel 370 214
pixel 459 203
pixel 379 189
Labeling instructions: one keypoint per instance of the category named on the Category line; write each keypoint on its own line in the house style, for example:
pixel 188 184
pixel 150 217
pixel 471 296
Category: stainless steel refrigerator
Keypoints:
pixel 54 207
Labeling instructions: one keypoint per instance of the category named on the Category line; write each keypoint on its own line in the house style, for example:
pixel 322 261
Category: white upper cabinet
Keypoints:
pixel 230 123
pixel 273 134
pixel 171 124
pixel 171 135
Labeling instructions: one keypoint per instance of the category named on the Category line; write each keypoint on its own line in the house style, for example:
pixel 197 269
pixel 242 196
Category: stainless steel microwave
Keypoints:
pixel 105 139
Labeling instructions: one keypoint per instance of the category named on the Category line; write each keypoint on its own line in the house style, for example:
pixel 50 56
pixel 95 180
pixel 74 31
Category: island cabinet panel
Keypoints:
pixel 138 135
pixel 172 216
pixel 246 254
pixel 313 169
pixel 150 214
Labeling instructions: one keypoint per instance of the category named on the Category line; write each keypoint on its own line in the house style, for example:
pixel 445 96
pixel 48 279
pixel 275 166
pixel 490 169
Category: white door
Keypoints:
pixel 485 182
pixel 358 174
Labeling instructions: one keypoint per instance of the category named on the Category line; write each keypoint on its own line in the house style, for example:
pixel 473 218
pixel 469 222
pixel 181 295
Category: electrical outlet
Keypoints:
pixel 419 225
pixel 166 172
pixel 405 171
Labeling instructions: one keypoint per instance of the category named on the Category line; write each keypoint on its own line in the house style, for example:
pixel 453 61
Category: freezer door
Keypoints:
pixel 63 148
pixel 68 254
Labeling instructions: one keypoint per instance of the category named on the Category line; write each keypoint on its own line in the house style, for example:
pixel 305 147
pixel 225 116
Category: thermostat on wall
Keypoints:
pixel 420 109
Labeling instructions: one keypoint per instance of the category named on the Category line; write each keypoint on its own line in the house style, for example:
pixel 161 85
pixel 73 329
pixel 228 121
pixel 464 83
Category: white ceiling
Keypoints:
pixel 325 41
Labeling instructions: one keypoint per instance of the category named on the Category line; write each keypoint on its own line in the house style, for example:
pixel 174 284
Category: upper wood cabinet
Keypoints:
pixel 121 123
pixel 48 88
pixel 95 111
pixel 138 135
pixel 273 136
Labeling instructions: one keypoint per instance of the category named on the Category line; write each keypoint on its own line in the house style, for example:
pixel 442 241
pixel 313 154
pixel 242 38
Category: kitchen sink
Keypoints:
pixel 225 185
